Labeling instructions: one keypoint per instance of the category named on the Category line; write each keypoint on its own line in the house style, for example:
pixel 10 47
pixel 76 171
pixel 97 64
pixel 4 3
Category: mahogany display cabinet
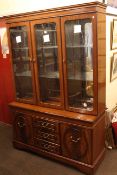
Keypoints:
pixel 58 60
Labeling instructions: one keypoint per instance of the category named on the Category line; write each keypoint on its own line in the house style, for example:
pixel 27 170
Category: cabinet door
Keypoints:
pixel 76 142
pixel 48 67
pixel 79 53
pixel 21 53
pixel 22 127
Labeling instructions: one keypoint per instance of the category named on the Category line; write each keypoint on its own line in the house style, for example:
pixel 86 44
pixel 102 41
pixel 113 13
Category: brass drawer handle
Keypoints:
pixel 75 140
pixel 44 124
pixel 46 146
pixel 45 135
pixel 21 125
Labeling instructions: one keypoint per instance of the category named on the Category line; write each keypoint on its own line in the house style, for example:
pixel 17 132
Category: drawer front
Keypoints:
pixel 50 147
pixel 45 124
pixel 50 137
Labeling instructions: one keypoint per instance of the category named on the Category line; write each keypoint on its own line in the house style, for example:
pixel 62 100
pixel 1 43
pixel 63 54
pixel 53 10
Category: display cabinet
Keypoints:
pixel 58 61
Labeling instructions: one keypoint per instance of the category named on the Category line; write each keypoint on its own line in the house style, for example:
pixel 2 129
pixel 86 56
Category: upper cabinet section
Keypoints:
pixel 78 36
pixel 22 65
pixel 47 52
pixel 57 57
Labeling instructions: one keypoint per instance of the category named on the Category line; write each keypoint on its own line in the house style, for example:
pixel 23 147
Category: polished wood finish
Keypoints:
pixel 101 44
pixel 22 127
pixel 76 142
pixel 70 135
pixel 89 119
pixel 57 22
pixel 61 11
pixel 74 17
pixel 26 24
pixel 61 138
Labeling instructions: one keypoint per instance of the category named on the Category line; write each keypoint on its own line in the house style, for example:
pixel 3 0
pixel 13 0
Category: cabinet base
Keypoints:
pixel 85 168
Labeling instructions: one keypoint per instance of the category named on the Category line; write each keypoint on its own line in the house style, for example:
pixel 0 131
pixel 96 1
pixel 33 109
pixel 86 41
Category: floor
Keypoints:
pixel 16 162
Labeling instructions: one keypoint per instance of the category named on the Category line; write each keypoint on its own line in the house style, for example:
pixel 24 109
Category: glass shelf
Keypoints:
pixel 18 61
pixel 51 75
pixel 37 30
pixel 20 48
pixel 25 73
pixel 76 46
pixel 18 30
pixel 48 47
pixel 85 76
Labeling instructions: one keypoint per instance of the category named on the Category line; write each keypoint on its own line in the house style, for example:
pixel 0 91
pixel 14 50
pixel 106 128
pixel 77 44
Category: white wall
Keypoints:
pixel 111 87
pixel 19 6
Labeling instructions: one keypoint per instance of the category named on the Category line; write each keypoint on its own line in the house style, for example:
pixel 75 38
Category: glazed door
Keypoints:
pixel 22 62
pixel 79 53
pixel 48 67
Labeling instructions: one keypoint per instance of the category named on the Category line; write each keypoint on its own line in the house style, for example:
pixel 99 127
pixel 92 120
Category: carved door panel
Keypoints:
pixel 76 142
pixel 22 127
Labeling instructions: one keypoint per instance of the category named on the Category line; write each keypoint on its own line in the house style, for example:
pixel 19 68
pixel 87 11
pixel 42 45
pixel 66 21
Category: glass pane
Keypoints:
pixel 21 62
pixel 47 58
pixel 79 47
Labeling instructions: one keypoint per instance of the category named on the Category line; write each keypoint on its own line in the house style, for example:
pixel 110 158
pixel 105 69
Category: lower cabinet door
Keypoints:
pixel 22 127
pixel 76 142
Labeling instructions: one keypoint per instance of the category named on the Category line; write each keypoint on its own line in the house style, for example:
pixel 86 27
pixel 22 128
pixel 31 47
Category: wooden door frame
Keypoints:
pixel 58 29
pixel 20 24
pixel 95 61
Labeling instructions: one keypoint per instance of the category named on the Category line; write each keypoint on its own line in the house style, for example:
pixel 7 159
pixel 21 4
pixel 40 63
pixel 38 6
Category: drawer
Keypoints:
pixel 45 124
pixel 45 136
pixel 50 147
